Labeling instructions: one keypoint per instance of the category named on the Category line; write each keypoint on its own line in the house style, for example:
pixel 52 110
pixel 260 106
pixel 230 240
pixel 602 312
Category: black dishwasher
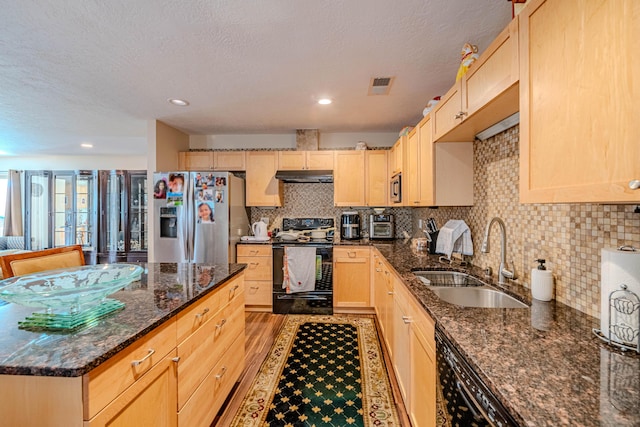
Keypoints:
pixel 468 400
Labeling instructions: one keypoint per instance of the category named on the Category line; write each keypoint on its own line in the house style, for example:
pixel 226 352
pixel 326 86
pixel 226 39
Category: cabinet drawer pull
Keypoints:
pixel 254 252
pixel 205 311
pixel 141 361
pixel 351 254
pixel 407 319
pixel 222 372
pixel 253 264
pixel 176 359
pixel 378 270
pixel 389 293
pixel 634 184
pixel 221 324
pixel 461 114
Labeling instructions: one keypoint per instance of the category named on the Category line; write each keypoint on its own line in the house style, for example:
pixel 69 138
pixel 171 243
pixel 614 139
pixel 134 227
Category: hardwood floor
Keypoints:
pixel 261 330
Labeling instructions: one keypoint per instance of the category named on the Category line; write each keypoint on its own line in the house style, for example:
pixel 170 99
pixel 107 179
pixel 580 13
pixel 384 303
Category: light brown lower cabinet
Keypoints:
pixel 183 372
pixel 351 272
pixel 409 334
pixel 150 401
pixel 258 282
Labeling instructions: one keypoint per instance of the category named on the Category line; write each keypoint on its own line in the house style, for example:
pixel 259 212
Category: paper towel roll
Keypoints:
pixel 619 267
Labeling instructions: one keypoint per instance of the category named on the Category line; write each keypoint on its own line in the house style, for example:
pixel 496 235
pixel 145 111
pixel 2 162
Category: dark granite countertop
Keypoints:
pixel 164 290
pixel 543 363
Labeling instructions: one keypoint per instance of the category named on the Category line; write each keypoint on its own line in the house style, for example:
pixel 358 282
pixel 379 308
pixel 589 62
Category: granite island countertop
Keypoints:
pixel 164 290
pixel 542 362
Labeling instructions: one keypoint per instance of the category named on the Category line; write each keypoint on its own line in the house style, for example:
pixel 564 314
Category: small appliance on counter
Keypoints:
pixel 381 226
pixel 350 225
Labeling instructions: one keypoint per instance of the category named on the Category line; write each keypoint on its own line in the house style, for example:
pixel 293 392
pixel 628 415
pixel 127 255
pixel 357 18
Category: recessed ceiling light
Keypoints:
pixel 178 102
pixel 86 145
pixel 324 101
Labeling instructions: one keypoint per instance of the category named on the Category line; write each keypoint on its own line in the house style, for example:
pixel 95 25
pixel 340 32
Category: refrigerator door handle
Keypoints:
pixel 186 222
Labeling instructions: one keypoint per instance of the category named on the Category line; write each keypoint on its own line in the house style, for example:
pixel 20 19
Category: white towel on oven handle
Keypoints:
pixel 300 269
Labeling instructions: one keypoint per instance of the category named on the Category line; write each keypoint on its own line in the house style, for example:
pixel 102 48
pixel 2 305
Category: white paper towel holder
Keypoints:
pixel 625 302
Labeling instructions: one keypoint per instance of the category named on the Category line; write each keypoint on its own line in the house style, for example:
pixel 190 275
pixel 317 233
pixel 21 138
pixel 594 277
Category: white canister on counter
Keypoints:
pixel 541 282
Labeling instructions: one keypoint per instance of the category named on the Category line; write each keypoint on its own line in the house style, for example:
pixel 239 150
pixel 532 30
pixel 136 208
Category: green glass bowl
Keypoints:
pixel 70 289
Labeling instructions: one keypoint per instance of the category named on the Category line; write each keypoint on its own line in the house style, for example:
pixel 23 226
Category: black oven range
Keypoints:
pixel 315 297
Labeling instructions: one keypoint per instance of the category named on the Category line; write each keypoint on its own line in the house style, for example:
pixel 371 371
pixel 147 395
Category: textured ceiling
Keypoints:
pixel 75 71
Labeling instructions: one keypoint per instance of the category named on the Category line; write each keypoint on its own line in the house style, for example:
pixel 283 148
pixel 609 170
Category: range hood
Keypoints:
pixel 305 176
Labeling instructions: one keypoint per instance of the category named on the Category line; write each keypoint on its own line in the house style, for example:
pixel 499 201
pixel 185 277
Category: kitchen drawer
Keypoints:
pixel 232 290
pixel 420 320
pixel 351 253
pixel 258 268
pixel 209 397
pixel 108 380
pixel 197 315
pixel 258 292
pixel 201 351
pixel 150 401
pixel 253 250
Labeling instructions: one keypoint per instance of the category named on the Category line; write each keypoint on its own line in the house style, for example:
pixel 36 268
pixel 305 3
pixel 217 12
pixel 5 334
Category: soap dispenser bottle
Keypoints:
pixel 541 282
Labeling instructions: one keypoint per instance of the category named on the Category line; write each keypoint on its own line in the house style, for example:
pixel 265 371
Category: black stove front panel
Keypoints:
pixel 302 224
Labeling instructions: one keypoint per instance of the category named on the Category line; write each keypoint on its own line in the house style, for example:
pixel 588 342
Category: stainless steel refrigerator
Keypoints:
pixel 198 216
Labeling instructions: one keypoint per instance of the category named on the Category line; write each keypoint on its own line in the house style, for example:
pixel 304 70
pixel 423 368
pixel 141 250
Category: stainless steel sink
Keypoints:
pixel 447 278
pixel 465 290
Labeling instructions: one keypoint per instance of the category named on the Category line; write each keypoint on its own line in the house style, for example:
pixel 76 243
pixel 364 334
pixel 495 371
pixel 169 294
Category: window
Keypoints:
pixel 4 178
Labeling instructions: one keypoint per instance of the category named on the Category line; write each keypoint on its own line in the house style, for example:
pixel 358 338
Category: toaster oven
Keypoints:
pixel 381 226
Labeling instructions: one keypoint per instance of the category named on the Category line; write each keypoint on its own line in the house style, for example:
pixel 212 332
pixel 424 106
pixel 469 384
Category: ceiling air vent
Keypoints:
pixel 380 85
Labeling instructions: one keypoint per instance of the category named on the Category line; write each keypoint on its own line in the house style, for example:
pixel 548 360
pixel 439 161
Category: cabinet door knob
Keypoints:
pixel 634 184
pixel 222 372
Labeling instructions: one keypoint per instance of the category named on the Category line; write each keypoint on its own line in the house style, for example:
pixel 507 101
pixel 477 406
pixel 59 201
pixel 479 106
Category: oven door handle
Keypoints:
pixel 478 413
pixel 309 297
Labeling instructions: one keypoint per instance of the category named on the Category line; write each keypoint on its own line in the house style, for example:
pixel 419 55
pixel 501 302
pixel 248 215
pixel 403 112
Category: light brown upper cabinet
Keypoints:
pixel 195 160
pixel 376 178
pixel 396 156
pixel 229 160
pixel 437 174
pixel 579 130
pixel 263 189
pixel 348 178
pixel 211 160
pixel 486 94
pixel 301 160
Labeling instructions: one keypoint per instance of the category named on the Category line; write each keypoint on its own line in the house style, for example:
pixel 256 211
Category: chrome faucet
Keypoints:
pixel 503 273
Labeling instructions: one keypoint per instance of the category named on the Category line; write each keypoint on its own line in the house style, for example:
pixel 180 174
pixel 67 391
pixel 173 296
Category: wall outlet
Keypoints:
pixel 265 220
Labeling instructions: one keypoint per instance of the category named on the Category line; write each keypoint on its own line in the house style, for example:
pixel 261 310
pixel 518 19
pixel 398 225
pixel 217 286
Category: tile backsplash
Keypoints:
pixel 316 201
pixel 568 236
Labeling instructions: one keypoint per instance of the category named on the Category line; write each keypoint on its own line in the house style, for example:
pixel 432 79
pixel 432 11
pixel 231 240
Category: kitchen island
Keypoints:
pixel 178 340
pixel 543 363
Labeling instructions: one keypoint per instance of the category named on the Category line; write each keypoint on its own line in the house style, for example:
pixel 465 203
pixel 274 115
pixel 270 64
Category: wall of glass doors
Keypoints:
pixel 61 210
pixel 104 211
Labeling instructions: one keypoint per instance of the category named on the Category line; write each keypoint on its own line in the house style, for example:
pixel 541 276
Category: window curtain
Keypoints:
pixel 13 207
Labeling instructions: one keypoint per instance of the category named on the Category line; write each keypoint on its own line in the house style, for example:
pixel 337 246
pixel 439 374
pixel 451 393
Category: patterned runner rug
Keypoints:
pixel 321 371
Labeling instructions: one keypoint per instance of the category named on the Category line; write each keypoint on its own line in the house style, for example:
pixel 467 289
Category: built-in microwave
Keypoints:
pixel 395 189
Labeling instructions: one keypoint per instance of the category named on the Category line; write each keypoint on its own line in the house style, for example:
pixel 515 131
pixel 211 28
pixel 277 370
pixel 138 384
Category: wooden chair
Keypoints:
pixel 47 259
